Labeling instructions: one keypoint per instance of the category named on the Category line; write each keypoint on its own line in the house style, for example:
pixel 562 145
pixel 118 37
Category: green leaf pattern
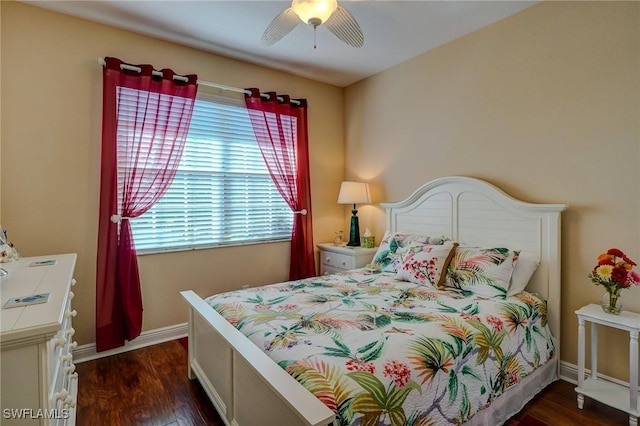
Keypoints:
pixel 379 351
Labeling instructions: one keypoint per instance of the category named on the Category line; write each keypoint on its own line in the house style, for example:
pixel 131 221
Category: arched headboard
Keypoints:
pixel 474 212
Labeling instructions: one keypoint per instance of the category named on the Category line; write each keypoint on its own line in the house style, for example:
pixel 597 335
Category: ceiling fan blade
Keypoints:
pixel 281 25
pixel 344 26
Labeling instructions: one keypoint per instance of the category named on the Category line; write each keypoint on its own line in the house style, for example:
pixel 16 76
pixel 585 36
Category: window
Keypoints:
pixel 222 193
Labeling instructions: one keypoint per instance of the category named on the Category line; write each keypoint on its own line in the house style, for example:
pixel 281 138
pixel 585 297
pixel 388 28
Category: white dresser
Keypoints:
pixel 39 384
pixel 335 259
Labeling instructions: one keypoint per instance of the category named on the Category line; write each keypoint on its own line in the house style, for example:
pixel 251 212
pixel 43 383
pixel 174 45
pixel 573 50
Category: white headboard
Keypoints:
pixel 474 212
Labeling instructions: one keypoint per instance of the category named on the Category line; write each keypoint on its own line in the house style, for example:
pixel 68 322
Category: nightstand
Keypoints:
pixel 612 394
pixel 343 258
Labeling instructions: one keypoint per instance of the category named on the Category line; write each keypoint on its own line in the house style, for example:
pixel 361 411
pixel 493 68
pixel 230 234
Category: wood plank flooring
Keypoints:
pixel 149 386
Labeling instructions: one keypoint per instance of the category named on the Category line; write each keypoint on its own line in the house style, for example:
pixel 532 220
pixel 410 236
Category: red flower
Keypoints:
pixel 399 373
pixel 619 275
pixel 469 317
pixel 629 261
pixel 615 271
pixel 615 252
pixel 495 322
pixel 262 306
pixel 360 365
pixel 287 307
pixel 606 261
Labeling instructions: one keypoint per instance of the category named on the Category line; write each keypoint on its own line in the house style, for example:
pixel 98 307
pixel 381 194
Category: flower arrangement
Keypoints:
pixel 8 252
pixel 614 272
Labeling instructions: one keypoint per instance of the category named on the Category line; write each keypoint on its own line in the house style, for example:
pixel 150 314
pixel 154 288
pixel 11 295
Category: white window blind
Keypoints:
pixel 222 193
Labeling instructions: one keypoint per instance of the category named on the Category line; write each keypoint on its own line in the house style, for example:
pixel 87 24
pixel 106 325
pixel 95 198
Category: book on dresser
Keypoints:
pixel 39 384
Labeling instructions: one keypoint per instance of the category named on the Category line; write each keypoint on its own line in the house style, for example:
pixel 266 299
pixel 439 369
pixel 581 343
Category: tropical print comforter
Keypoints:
pixel 379 351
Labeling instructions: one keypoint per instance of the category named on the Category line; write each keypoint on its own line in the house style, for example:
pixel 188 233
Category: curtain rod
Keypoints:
pixel 102 63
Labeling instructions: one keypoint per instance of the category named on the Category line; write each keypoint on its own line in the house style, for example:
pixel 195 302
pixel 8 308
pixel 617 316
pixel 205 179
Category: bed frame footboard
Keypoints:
pixel 245 386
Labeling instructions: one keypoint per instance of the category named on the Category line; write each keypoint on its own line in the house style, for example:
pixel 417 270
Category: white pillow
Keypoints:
pixel 525 267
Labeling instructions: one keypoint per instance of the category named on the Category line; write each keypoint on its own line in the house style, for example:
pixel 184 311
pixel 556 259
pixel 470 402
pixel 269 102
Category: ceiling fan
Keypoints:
pixel 337 19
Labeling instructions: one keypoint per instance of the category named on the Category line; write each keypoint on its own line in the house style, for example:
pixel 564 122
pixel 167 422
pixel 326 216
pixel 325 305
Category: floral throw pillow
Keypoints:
pixel 425 264
pixel 481 271
pixel 393 247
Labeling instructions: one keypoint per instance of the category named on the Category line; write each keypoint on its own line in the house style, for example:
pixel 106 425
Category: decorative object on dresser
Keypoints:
pixel 8 252
pixel 368 240
pixel 343 258
pixel 39 382
pixel 338 238
pixel 610 393
pixel 614 272
pixel 354 193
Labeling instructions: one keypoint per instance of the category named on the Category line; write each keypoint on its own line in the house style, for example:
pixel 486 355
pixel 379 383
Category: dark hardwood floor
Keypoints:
pixel 149 386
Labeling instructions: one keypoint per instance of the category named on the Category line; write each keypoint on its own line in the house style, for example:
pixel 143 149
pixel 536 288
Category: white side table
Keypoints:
pixel 612 394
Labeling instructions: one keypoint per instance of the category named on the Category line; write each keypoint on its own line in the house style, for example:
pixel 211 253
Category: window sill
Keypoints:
pixel 144 252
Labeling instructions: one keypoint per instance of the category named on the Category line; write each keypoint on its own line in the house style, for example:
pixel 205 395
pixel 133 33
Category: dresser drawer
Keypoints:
pixel 337 260
pixel 63 385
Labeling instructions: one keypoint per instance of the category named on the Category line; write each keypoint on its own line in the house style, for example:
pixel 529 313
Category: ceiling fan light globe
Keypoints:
pixel 314 10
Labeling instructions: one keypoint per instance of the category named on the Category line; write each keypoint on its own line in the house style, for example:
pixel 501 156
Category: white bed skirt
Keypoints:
pixel 516 397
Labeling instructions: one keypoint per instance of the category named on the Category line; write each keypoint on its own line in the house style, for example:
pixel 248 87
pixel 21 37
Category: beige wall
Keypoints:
pixel 545 105
pixel 50 129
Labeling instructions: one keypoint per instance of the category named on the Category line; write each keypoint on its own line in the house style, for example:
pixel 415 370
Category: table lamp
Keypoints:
pixel 353 193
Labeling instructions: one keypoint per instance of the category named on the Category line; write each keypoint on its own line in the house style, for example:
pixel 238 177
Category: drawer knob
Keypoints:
pixel 344 263
pixel 60 341
pixel 328 260
pixel 71 314
pixel 61 396
pixel 69 402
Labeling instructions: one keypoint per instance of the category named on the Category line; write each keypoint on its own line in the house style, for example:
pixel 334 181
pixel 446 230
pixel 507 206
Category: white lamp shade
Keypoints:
pixel 354 193
pixel 320 9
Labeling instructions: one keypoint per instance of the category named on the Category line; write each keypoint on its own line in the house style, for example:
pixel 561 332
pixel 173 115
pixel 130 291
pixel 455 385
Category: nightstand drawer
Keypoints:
pixel 337 260
pixel 334 259
pixel 328 270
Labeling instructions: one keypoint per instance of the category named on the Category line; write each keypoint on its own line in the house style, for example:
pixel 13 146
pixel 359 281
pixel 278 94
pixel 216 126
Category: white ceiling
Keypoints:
pixel 394 31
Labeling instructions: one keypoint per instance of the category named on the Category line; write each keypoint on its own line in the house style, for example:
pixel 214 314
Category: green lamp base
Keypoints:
pixel 354 232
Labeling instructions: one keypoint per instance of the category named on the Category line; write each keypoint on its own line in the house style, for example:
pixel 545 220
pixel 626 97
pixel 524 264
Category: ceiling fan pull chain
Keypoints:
pixel 315 29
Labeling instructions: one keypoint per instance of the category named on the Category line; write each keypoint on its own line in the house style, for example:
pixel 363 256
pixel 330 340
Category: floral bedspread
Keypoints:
pixel 379 351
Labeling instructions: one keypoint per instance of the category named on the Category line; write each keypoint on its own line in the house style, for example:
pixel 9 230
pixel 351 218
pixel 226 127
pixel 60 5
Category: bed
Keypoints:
pixel 250 376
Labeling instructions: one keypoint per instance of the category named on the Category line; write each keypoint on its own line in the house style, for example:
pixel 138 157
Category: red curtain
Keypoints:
pixel 280 126
pixel 145 120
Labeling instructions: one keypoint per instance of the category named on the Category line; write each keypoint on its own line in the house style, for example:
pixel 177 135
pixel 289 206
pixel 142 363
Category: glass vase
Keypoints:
pixel 611 302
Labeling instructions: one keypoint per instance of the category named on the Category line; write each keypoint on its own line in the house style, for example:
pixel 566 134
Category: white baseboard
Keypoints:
pixel 569 373
pixel 147 338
